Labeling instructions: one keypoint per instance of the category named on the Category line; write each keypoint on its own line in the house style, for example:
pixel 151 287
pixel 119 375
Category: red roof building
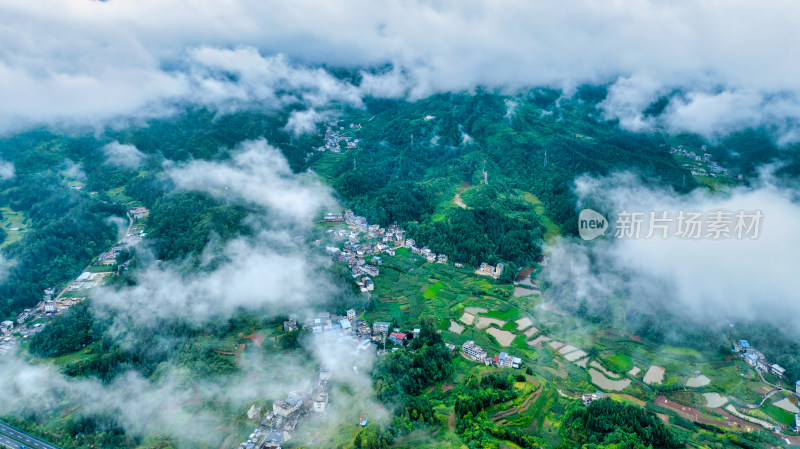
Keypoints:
pixel 397 336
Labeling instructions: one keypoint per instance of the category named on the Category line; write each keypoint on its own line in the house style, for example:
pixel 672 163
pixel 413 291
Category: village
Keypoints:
pixel 712 168
pixel 335 137
pixel 279 424
pixel 363 240
pixel 33 320
pixel 357 336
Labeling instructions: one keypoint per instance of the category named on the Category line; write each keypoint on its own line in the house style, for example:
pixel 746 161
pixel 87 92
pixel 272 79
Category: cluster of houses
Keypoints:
pixel 364 240
pixel 502 360
pixel 425 252
pixel 350 330
pixel 488 270
pixel 796 416
pixel 279 425
pixel 6 340
pixel 86 280
pixel 713 167
pixel 334 138
pixel 51 304
pixel 331 324
pixel 756 359
pixel 131 238
pixel 44 308
pixel 139 212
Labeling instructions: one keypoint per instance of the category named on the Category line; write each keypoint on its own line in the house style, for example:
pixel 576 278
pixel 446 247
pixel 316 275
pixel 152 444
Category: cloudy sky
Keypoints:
pixel 82 61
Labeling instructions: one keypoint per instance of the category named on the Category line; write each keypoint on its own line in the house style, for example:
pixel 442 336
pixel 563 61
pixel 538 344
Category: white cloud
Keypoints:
pixel 7 170
pixel 92 61
pixel 268 270
pixel 702 279
pixel 305 121
pixel 628 97
pixel 257 174
pixel 124 155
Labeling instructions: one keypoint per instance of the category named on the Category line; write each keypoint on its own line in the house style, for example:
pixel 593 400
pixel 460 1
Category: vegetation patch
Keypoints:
pixel 619 362
pixel 432 290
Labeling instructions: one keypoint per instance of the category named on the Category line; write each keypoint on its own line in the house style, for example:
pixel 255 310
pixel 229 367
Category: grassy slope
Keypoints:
pixel 13 219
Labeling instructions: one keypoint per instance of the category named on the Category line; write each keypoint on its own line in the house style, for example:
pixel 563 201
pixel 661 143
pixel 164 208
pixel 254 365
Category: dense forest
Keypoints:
pixel 610 424
pixel 406 170
pixel 407 161
pixel 67 190
pixel 67 230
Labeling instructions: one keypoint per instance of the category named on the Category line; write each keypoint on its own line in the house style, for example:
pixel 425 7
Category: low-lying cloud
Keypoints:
pixel 258 174
pixel 179 405
pixel 63 63
pixel 270 271
pixel 704 279
pixel 7 170
pixel 124 155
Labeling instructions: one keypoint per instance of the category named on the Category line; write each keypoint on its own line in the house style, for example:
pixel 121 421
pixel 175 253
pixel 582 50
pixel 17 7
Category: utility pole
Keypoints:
pixel 485 175
pixel 545 158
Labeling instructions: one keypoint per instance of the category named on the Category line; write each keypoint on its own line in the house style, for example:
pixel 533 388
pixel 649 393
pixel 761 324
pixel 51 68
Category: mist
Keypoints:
pixel 91 62
pixel 127 156
pixel 190 410
pixel 269 272
pixel 705 280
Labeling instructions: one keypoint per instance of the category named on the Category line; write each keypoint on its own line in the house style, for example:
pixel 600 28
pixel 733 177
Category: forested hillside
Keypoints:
pixel 417 163
pixel 407 169
pixel 67 190
pixel 413 157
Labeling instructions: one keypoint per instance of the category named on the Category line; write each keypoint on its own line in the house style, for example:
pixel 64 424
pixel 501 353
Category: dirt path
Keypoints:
pixel 686 412
pixel 459 202
pixel 731 422
pixel 564 395
pixel 514 410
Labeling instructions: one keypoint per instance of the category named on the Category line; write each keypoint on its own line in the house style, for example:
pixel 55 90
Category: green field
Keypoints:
pixel 619 362
pixel 431 291
pixel 118 195
pixel 327 164
pixel 13 219
pixel 505 313
pixel 779 414
pixel 681 351
pixel 551 229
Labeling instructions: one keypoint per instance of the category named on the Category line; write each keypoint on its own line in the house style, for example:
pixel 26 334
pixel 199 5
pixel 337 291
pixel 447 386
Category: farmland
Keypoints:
pixel 563 355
